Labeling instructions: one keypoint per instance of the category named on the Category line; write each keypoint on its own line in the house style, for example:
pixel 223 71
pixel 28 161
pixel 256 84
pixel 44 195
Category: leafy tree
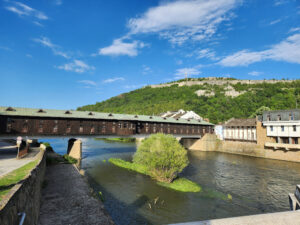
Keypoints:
pixel 163 156
pixel 259 111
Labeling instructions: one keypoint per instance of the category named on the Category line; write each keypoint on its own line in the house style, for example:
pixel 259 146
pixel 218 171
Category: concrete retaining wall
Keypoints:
pixel 25 197
pixel 210 143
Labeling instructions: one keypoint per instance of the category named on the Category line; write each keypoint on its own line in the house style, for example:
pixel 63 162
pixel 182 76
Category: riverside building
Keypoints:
pixel 283 128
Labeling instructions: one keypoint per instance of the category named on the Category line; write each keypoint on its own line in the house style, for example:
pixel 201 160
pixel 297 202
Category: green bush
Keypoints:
pixel 163 156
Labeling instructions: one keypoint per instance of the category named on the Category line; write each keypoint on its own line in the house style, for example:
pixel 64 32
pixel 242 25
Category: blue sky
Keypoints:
pixel 64 54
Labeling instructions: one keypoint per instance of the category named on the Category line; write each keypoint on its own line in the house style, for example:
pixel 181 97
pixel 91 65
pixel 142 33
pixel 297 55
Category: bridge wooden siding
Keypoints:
pixel 39 122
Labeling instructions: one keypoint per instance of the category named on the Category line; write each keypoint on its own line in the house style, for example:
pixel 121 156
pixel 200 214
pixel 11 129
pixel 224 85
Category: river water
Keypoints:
pixel 256 185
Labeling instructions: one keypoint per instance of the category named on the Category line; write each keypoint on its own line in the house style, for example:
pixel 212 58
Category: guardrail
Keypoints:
pixel 294 199
pixel 23 216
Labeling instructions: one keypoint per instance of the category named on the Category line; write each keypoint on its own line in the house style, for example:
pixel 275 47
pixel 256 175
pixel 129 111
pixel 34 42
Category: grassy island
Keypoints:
pixel 179 184
pixel 124 140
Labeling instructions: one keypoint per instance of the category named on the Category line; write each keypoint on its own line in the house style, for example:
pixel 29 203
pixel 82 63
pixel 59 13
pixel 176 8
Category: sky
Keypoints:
pixel 63 54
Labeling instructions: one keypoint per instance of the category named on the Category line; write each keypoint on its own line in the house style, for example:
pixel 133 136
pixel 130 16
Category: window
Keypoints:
pixel 268 118
pixel 291 116
pixel 92 129
pixel 125 125
pixel 294 128
pixel 68 127
pixel 278 117
pixel 80 128
pixel 25 127
pixel 55 128
pixel 120 125
pixel 40 130
pixel 282 128
pixel 271 128
pixel 8 125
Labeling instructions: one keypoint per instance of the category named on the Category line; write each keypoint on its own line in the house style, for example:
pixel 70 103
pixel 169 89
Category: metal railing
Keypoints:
pixel 22 215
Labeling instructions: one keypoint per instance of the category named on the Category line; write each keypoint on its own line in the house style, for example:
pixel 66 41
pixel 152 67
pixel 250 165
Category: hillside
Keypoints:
pixel 218 99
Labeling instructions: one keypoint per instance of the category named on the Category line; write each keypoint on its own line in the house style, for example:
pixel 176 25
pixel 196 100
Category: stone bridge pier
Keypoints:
pixel 75 148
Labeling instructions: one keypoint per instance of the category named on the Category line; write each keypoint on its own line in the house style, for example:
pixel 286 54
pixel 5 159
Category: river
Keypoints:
pixel 256 185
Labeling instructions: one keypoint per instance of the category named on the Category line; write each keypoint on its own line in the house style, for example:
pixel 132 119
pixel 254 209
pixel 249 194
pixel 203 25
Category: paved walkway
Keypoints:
pixel 8 160
pixel 66 199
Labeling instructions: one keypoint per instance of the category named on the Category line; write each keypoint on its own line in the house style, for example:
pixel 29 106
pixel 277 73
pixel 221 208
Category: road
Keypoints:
pixel 8 160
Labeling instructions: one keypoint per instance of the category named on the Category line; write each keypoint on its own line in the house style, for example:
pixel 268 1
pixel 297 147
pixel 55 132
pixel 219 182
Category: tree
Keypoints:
pixel 260 111
pixel 163 156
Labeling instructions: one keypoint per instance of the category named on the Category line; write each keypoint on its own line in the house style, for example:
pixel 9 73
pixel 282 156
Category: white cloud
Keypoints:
pixel 76 66
pixel 146 69
pixel 111 80
pixel 88 83
pixel 255 73
pixel 179 62
pixel 57 2
pixel 206 53
pixel 188 71
pixel 24 10
pixel 5 48
pixel 181 20
pixel 288 51
pixel 28 55
pixel 294 29
pixel 275 22
pixel 119 47
pixel 280 2
pixel 55 48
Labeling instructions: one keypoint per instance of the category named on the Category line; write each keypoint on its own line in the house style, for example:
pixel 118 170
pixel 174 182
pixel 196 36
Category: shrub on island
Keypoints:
pixel 163 156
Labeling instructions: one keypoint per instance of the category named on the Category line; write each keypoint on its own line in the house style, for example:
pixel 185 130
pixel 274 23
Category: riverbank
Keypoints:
pixel 68 199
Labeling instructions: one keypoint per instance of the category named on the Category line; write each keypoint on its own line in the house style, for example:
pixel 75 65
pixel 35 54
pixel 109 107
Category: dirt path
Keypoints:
pixel 66 199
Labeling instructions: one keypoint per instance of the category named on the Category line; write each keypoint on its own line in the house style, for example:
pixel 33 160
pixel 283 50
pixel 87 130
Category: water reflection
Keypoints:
pixel 256 185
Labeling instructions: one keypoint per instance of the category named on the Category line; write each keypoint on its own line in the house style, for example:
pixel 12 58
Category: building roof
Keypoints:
pixel 16 111
pixel 181 114
pixel 285 115
pixel 250 122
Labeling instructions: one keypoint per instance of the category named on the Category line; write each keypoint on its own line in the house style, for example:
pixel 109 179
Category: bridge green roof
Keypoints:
pixel 17 111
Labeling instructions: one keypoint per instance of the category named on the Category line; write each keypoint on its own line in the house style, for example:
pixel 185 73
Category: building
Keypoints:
pixel 181 114
pixel 46 122
pixel 240 130
pixel 283 128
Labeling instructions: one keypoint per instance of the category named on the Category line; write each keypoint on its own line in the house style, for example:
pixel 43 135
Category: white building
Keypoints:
pixel 182 115
pixel 240 130
pixel 283 126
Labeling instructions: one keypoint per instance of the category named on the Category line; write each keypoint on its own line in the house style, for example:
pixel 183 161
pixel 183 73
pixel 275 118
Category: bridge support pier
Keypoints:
pixel 75 148
pixel 139 141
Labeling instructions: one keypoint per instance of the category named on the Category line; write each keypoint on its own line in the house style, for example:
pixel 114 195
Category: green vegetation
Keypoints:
pixel 217 108
pixel 14 177
pixel 69 159
pixel 126 140
pixel 129 166
pixel 48 146
pixel 180 184
pixel 163 156
pixel 183 185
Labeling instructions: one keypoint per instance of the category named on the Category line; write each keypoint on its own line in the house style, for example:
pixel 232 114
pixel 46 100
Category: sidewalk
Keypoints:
pixel 66 199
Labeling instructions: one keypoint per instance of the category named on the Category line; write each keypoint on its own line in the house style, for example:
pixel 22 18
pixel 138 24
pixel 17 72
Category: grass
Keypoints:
pixel 182 184
pixel 14 177
pixel 126 140
pixel 69 159
pixel 179 184
pixel 130 166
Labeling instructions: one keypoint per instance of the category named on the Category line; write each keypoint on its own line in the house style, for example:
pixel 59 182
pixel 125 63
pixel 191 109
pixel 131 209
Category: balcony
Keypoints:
pixel 286 147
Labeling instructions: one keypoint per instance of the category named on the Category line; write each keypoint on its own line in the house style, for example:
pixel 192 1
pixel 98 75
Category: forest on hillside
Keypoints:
pixel 217 108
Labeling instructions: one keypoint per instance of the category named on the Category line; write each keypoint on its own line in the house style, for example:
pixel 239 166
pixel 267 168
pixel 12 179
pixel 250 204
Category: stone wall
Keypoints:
pixel 25 197
pixel 210 143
